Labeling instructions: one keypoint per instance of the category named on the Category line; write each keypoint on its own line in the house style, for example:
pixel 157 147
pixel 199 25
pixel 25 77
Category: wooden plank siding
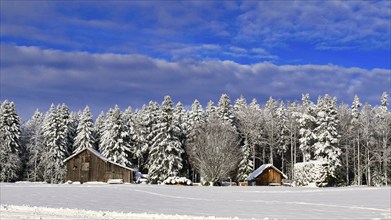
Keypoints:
pixel 86 166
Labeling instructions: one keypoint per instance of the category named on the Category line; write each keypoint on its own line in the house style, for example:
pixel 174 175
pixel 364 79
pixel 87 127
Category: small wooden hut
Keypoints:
pixel 89 165
pixel 266 175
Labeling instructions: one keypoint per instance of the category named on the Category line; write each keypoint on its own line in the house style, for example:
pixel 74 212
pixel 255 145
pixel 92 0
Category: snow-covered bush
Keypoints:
pixel 312 172
pixel 177 181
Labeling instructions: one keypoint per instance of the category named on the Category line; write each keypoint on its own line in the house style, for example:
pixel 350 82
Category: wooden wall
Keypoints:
pixel 269 176
pixel 86 166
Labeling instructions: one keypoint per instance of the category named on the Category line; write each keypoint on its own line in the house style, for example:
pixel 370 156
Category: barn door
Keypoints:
pixel 85 171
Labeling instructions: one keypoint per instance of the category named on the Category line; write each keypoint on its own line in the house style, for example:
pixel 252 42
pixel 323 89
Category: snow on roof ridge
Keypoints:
pixel 262 168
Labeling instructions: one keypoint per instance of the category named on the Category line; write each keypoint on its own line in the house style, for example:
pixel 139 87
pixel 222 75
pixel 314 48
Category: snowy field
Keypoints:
pixel 127 201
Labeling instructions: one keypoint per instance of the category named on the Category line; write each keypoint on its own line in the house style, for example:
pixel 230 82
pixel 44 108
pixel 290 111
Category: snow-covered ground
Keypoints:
pixel 123 201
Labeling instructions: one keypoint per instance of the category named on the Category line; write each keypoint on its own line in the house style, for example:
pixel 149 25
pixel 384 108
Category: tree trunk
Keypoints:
pixel 292 152
pixel 254 157
pixel 354 163
pixel 295 150
pixel 385 156
pixel 347 164
pixel 359 175
pixel 271 146
pixel 368 169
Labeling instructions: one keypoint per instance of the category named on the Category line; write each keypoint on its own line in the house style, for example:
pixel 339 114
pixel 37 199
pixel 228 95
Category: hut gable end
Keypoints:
pixel 267 174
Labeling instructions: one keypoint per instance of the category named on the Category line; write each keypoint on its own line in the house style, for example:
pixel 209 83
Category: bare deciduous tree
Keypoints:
pixel 215 151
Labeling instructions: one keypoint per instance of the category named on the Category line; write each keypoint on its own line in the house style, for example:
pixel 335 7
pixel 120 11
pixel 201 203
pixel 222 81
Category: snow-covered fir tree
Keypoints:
pixel 306 120
pixel 210 108
pixel 180 120
pixel 224 110
pixel 196 116
pixel 85 132
pixel 326 134
pixel 66 127
pixel 165 155
pixel 9 142
pixel 99 128
pixel 384 101
pixel 284 133
pixel 355 108
pixel 113 142
pixel 239 106
pixel 149 118
pixel 129 127
pixel 55 146
pixel 141 144
pixel 72 129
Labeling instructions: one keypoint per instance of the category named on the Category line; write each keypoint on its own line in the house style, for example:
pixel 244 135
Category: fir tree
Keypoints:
pixel 384 101
pixel 141 144
pixel 99 128
pixel 66 129
pixel 326 134
pixel 180 120
pixel 113 143
pixel 165 157
pixel 131 137
pixel 55 148
pixel 10 148
pixel 210 109
pixel 196 115
pixel 85 132
pixel 306 121
pixel 224 110
pixel 284 133
pixel 150 120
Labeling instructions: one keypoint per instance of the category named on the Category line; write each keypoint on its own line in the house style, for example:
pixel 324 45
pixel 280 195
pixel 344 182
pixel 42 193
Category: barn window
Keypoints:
pixel 85 166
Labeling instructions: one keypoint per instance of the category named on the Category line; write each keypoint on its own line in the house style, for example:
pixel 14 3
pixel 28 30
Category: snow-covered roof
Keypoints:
pixel 98 155
pixel 261 169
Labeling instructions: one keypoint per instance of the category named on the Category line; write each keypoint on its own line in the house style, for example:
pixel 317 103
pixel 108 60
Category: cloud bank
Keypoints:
pixel 36 77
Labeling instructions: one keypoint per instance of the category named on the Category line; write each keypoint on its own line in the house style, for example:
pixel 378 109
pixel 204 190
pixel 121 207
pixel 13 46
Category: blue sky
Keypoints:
pixel 102 53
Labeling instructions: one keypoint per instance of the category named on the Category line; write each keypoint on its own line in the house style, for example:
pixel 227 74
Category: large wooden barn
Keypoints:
pixel 266 175
pixel 89 165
